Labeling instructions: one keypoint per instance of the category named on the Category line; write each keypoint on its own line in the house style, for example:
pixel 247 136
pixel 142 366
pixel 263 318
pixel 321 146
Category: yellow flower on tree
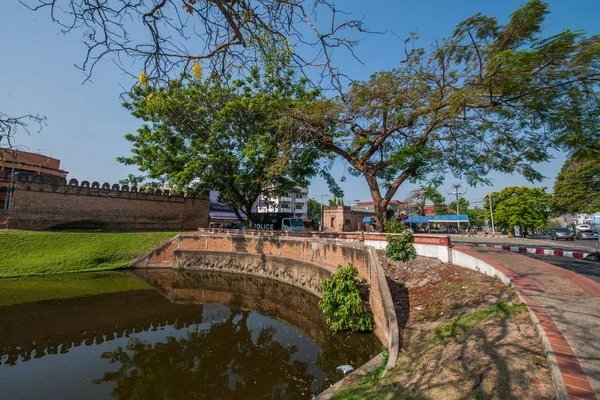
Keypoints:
pixel 150 97
pixel 143 79
pixel 197 70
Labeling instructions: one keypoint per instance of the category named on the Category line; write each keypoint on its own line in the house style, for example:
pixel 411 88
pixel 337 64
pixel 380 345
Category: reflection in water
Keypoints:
pixel 223 361
pixel 206 335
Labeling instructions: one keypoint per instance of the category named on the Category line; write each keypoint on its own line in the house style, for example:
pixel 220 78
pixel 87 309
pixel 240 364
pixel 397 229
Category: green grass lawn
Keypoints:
pixel 25 253
pixel 65 286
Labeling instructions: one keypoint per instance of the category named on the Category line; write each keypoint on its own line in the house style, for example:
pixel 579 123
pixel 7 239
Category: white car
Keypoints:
pixel 587 235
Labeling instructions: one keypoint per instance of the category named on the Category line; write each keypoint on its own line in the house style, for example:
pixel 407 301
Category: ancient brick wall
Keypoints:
pixel 296 259
pixel 42 203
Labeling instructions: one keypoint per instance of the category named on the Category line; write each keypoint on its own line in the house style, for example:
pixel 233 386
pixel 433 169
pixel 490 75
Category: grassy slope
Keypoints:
pixel 29 253
pixel 39 288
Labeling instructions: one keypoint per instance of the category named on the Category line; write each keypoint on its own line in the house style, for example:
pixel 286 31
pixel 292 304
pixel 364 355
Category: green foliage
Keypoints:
pixel 336 202
pixel 476 216
pixel 224 134
pixel 30 253
pixel 40 288
pixel 466 322
pixel 490 97
pixel 314 210
pixel 399 247
pixel 577 186
pixel 342 303
pixel 519 205
pixel 418 198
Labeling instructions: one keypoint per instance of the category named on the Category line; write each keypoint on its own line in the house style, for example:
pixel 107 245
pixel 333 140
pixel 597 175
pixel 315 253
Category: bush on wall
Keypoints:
pixel 342 303
pixel 400 247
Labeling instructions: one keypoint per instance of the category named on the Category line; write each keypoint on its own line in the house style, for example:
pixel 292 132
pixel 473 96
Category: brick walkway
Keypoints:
pixel 567 308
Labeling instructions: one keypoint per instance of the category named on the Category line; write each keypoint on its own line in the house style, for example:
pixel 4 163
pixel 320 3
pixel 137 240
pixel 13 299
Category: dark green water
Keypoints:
pixel 187 335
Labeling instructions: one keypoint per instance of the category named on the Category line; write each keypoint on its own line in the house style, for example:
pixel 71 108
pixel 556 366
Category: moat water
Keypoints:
pixel 166 334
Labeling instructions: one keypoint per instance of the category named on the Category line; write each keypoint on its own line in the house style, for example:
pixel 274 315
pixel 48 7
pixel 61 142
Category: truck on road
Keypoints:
pixel 285 222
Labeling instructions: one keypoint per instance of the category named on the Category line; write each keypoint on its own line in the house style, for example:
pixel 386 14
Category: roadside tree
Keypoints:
pixel 489 97
pixel 224 135
pixel 520 205
pixel 577 186
pixel 314 211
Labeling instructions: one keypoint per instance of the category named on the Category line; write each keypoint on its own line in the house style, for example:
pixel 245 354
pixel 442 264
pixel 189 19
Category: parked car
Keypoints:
pixel 562 233
pixel 587 235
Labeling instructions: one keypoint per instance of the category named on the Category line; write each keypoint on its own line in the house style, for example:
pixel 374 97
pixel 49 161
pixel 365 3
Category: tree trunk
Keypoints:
pixel 379 203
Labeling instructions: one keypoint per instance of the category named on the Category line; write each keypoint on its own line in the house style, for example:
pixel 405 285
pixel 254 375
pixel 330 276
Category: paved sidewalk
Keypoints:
pixel 566 306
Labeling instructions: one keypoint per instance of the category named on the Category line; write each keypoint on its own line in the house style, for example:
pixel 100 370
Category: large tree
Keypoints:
pixel 489 97
pixel 577 186
pixel 169 36
pixel 224 135
pixel 418 198
pixel 11 124
pixel 519 205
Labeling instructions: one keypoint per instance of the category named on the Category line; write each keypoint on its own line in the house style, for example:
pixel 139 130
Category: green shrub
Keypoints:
pixel 400 247
pixel 342 303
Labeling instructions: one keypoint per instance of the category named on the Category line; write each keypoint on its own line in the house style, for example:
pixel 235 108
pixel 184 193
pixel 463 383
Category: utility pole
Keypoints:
pixel 492 216
pixel 457 193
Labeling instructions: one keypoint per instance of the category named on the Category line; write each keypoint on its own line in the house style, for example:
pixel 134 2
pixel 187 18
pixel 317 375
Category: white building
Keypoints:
pixel 296 203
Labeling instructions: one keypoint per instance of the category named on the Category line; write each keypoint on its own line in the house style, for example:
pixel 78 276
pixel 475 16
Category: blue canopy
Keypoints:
pixel 367 220
pixel 418 219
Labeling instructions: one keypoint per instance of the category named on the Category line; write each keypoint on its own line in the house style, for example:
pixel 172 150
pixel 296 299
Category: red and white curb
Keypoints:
pixel 533 250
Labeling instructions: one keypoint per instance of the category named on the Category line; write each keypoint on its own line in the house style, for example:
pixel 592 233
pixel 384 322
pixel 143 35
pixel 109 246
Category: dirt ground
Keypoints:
pixel 464 335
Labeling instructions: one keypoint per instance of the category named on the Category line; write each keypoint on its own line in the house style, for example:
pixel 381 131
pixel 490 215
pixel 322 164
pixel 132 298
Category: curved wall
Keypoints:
pixel 300 261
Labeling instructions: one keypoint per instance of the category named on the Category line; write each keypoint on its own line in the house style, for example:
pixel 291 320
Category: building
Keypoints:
pixel 221 214
pixel 343 219
pixel 369 206
pixel 295 202
pixel 14 163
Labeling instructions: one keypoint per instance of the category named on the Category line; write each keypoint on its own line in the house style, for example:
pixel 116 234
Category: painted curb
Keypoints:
pixel 535 250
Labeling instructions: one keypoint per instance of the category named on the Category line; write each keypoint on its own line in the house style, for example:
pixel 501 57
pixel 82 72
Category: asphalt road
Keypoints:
pixel 589 269
pixel 587 243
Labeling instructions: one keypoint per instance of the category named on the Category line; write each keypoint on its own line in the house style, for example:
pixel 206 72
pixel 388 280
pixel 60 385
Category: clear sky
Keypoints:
pixel 86 123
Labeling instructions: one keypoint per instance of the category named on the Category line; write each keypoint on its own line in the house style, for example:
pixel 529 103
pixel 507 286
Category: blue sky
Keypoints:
pixel 86 123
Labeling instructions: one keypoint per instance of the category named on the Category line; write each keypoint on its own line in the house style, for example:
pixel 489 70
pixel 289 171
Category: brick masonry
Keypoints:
pixel 41 204
pixel 299 261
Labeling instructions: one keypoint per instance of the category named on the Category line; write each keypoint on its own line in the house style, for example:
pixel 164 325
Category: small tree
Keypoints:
pixel 399 247
pixel 342 303
pixel 417 199
pixel 314 210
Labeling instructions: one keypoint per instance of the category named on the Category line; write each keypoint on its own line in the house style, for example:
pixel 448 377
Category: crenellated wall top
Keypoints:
pixel 46 183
